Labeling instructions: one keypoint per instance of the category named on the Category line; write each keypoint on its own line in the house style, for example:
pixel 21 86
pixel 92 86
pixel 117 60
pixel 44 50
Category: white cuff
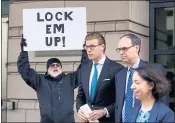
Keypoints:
pixel 107 113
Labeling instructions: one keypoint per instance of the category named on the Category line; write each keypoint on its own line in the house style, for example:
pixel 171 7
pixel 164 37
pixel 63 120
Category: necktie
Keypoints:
pixel 129 98
pixel 94 82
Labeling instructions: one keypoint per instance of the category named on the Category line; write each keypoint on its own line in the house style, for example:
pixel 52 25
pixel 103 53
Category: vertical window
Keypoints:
pixel 162 41
pixel 5 7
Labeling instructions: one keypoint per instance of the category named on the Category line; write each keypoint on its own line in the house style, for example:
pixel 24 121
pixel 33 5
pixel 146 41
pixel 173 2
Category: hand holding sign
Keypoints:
pixel 23 43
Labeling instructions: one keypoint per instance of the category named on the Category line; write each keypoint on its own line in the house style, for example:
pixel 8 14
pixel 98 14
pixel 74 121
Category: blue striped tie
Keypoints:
pixel 94 82
pixel 129 98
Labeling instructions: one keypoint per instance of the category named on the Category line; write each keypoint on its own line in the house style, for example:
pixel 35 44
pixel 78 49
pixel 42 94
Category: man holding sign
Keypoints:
pixel 55 90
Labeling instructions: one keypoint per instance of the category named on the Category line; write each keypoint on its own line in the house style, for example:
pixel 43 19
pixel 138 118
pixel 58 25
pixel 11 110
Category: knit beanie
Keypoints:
pixel 53 60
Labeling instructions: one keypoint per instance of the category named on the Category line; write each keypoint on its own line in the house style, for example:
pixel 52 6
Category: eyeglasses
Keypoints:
pixel 53 65
pixel 92 47
pixel 124 49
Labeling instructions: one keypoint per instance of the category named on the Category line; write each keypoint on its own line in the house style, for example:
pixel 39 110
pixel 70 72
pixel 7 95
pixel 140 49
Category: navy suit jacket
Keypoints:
pixel 120 82
pixel 159 113
pixel 105 90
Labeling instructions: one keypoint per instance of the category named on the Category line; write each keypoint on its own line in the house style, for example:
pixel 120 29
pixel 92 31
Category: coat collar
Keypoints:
pixel 153 112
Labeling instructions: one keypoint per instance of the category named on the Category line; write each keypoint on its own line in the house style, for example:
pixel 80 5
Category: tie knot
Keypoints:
pixel 95 64
pixel 131 69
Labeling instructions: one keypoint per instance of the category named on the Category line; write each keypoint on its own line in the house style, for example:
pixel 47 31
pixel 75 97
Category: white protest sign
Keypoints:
pixel 54 28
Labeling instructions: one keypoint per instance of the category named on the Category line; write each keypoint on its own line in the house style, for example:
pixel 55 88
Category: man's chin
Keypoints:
pixel 54 74
pixel 124 60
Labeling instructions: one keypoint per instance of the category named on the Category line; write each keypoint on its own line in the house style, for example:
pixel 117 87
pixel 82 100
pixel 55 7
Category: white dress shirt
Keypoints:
pixel 99 68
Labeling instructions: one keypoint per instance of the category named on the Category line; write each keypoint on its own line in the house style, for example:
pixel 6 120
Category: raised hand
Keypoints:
pixel 23 43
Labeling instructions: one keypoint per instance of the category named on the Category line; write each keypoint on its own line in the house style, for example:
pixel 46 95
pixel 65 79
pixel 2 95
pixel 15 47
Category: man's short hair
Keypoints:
pixel 98 36
pixel 134 39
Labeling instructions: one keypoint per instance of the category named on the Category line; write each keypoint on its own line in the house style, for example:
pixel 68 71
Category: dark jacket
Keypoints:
pixel 120 83
pixel 105 90
pixel 55 95
pixel 160 113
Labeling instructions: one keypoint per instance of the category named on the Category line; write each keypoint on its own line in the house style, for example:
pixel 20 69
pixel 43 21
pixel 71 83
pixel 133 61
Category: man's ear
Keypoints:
pixel 138 47
pixel 103 46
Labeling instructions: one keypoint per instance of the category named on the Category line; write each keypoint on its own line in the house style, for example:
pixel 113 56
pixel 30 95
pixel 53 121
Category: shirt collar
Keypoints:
pixel 136 65
pixel 102 60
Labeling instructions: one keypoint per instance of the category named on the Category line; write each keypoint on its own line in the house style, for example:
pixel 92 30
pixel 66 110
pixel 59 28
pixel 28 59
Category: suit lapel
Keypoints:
pixel 154 112
pixel 102 76
pixel 142 63
pixel 135 112
pixel 121 87
pixel 86 77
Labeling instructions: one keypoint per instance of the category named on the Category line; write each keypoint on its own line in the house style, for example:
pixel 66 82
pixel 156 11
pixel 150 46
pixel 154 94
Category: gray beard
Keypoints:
pixel 54 74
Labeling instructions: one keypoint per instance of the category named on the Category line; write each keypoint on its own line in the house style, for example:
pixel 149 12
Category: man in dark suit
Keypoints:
pixel 129 48
pixel 97 81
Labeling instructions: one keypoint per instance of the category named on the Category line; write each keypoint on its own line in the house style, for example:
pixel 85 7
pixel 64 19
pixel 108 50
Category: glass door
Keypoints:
pixel 162 41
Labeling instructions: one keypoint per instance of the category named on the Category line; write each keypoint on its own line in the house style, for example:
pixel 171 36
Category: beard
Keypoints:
pixel 54 74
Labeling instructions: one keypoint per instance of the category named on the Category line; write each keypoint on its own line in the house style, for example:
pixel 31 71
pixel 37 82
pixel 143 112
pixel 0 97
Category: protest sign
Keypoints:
pixel 54 28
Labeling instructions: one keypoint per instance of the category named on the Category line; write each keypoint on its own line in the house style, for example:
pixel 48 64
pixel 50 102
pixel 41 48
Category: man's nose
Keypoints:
pixel 121 52
pixel 88 49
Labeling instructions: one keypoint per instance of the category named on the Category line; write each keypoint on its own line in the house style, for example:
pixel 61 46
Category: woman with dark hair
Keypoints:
pixel 149 85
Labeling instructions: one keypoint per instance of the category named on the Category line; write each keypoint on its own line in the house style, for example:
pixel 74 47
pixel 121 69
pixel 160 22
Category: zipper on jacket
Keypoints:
pixel 51 102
